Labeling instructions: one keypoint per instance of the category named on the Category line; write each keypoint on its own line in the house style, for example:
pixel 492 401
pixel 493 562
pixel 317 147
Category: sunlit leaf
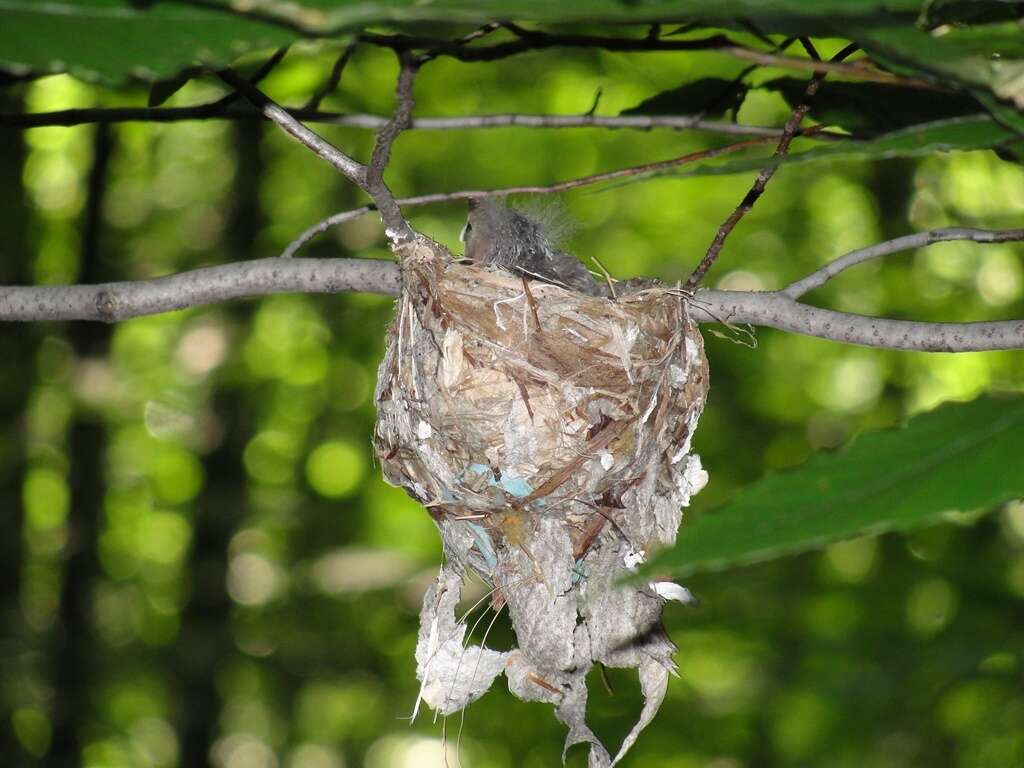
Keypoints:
pixel 113 40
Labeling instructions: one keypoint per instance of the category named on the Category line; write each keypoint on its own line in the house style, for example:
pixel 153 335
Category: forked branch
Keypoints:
pixel 369 178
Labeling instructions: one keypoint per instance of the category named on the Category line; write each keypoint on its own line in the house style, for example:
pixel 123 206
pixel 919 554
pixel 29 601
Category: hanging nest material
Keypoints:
pixel 548 435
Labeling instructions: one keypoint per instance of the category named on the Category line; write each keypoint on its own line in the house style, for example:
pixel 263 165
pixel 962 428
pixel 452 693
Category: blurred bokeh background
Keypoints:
pixel 201 565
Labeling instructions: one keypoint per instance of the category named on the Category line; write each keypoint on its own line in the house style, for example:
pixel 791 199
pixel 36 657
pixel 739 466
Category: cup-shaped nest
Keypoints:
pixel 500 399
pixel 548 433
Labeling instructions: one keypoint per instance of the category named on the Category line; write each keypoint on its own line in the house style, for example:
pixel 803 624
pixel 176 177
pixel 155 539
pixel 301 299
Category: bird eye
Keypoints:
pixel 465 232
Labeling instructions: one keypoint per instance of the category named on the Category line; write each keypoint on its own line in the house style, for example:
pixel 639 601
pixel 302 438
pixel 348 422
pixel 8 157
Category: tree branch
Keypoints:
pixel 395 225
pixel 534 40
pixel 908 242
pixel 350 168
pixel 111 302
pixel 776 310
pixel 333 80
pixel 858 70
pixel 369 179
pixel 226 101
pixel 476 34
pixel 218 110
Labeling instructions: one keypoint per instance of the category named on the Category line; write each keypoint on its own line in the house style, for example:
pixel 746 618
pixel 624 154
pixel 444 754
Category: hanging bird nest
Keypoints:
pixel 548 435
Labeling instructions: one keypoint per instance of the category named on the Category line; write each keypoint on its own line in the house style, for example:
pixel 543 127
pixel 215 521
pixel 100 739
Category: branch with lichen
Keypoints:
pixel 113 302
pixel 221 109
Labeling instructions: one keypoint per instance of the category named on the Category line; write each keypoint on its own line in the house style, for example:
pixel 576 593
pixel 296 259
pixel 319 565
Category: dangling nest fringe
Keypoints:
pixel 548 435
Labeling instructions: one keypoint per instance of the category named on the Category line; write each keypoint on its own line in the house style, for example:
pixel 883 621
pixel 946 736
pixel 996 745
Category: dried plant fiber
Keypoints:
pixel 548 435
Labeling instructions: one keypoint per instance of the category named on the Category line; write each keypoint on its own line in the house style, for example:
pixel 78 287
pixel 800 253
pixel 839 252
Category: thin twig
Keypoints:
pixel 369 179
pixel 217 111
pixel 812 52
pixel 112 302
pixel 476 34
pixel 333 80
pixel 268 66
pixel 818 278
pixel 334 220
pixel 532 40
pixel 758 187
pixel 854 71
pixel 395 225
pixel 561 186
pixel 208 110
pixel 349 167
pixel 733 89
pixel 257 77
pixel 753 29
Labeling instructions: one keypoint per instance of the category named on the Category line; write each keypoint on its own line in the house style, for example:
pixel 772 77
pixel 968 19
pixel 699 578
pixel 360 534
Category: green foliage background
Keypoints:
pixel 204 565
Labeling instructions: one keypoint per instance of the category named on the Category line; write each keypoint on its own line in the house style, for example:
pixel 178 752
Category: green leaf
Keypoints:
pixel 114 40
pixel 331 15
pixel 990 56
pixel 710 96
pixel 961 133
pixel 858 107
pixel 960 456
pixel 872 108
pixel 969 12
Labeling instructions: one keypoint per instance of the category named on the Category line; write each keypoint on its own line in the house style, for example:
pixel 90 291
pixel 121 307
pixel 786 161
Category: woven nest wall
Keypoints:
pixel 548 435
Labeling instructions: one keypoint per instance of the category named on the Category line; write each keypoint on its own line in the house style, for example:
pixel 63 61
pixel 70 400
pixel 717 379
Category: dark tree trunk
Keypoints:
pixel 892 182
pixel 18 345
pixel 206 639
pixel 74 651
pixel 789 582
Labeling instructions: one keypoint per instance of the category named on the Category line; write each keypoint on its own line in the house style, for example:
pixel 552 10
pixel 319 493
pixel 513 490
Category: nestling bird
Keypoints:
pixel 518 242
